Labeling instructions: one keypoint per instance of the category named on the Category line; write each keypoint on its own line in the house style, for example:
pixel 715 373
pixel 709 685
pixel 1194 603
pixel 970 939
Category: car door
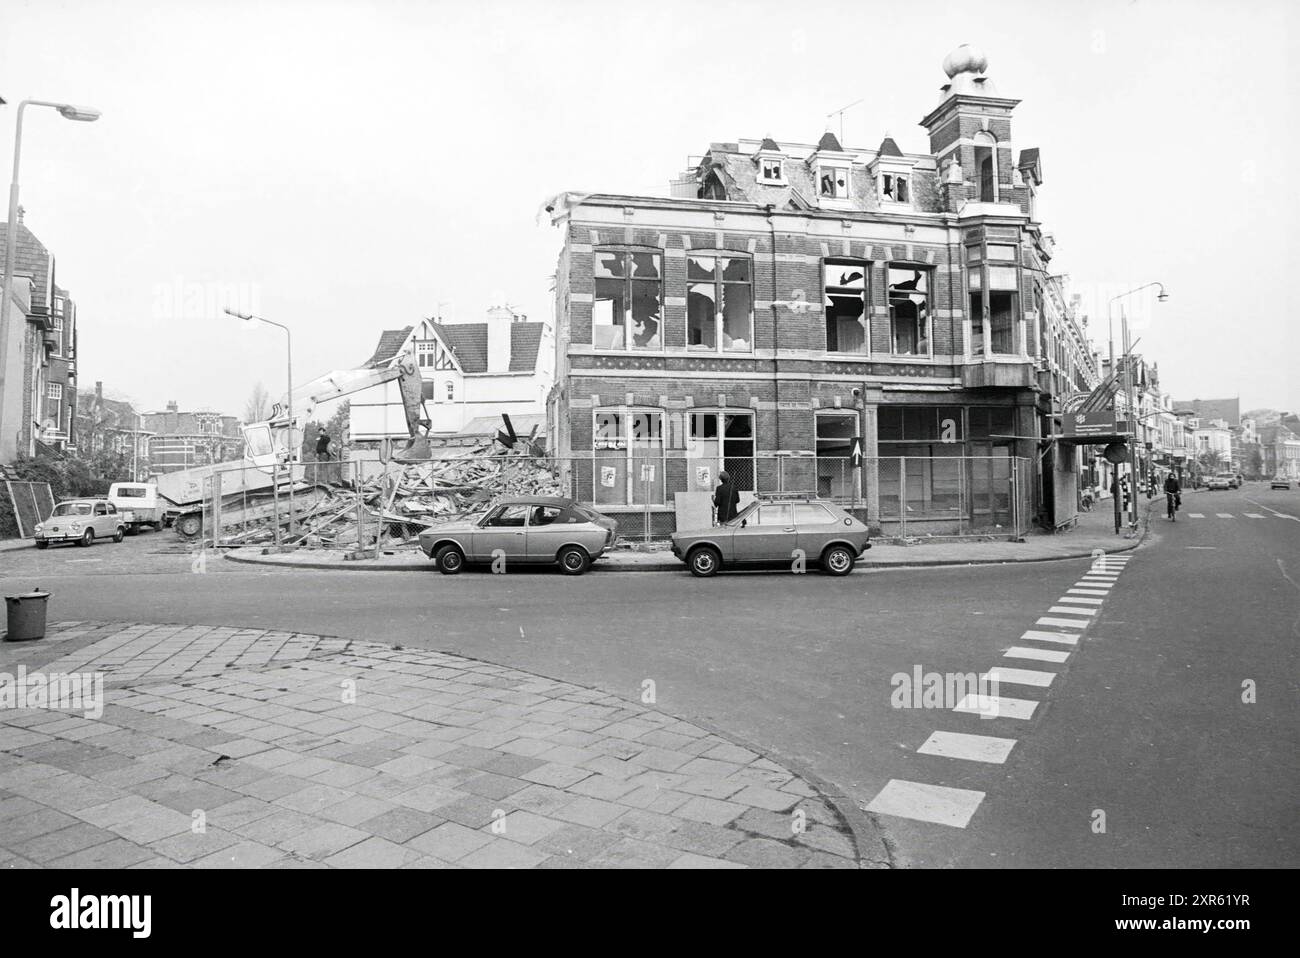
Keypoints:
pixel 816 526
pixel 768 534
pixel 547 531
pixel 504 531
pixel 101 522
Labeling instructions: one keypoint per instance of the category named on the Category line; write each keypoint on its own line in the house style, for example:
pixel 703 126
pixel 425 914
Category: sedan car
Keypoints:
pixel 529 530
pixel 1280 482
pixel 777 529
pixel 81 521
pixel 1218 482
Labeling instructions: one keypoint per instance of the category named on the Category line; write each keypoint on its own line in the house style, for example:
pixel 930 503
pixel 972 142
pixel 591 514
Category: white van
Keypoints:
pixel 138 505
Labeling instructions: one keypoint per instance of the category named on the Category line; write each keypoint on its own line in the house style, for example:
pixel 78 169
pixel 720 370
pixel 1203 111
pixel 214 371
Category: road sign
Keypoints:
pixel 856 451
pixel 1089 423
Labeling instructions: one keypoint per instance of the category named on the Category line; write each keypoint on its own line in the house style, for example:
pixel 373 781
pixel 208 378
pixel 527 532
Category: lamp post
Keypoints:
pixel 84 114
pixel 1128 392
pixel 293 453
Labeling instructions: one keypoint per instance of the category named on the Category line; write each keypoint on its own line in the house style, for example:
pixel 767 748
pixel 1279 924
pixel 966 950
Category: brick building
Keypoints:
pixel 40 381
pixel 180 440
pixel 789 299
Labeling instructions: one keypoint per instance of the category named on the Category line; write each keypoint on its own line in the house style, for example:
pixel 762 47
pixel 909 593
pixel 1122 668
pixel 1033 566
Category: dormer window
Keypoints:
pixel 895 188
pixel 770 170
pixel 833 182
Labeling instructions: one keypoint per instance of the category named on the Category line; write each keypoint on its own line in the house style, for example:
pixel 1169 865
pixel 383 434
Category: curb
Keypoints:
pixel 675 566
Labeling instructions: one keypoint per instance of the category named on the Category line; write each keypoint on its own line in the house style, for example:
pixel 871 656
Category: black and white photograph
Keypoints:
pixel 506 436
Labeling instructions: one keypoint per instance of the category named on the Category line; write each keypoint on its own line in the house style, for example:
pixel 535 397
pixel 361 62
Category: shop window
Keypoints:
pixel 628 458
pixel 719 303
pixel 626 311
pixel 909 310
pixel 717 442
pixel 836 477
pixel 846 306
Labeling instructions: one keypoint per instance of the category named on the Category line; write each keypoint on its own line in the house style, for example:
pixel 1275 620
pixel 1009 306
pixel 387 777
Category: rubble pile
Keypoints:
pixel 407 498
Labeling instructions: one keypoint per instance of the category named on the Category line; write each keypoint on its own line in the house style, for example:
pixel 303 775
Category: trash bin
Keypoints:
pixel 26 616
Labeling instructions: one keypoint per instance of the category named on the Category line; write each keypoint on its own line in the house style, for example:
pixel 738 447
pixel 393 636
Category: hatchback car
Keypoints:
pixel 777 529
pixel 81 521
pixel 1280 482
pixel 529 530
pixel 1218 482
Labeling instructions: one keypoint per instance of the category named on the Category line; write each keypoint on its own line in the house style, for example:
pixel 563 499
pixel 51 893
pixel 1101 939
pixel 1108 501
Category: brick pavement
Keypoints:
pixel 238 748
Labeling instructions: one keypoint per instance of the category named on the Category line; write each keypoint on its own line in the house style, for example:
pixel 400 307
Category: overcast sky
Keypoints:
pixel 346 167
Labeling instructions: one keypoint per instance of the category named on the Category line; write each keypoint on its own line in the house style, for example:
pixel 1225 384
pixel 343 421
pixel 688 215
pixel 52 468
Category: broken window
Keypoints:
pixel 719 303
pixel 720 442
pixel 626 308
pixel 628 458
pixel 833 182
pixel 909 310
pixel 770 171
pixel 846 306
pixel 836 432
pixel 894 187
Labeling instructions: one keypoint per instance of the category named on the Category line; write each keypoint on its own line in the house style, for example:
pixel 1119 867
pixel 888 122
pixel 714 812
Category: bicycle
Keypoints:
pixel 1171 505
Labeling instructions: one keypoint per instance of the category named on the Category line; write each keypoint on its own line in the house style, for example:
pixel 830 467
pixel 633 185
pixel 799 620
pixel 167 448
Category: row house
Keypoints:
pixel 789 302
pixel 39 380
pixel 1280 448
pixel 111 435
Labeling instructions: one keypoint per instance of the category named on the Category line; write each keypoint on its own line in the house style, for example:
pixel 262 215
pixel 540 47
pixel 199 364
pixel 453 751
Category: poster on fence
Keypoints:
pixel 607 475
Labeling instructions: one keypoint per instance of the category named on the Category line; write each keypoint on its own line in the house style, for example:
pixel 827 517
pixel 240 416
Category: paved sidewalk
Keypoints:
pixel 1094 532
pixel 294 750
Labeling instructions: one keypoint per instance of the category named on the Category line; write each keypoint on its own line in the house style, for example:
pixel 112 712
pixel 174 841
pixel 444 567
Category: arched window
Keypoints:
pixel 986 166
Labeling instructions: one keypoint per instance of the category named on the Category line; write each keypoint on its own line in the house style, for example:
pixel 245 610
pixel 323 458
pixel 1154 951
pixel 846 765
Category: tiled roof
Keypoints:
pixel 525 340
pixel 829 143
pixel 390 343
pixel 889 148
pixel 469 341
pixel 770 144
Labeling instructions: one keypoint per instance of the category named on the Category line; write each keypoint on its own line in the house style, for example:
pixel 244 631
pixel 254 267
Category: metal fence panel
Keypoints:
pixel 32 503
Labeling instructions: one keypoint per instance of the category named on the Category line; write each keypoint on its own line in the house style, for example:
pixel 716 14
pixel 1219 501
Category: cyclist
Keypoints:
pixel 1173 497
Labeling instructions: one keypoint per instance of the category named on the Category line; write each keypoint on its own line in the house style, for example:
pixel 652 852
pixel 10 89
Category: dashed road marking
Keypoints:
pixel 1064 638
pixel 1041 655
pixel 1080 600
pixel 997 706
pixel 1224 515
pixel 927 803
pixel 1256 515
pixel 972 748
pixel 1072 610
pixel 1020 677
pixel 1064 623
pixel 1196 515
pixel 1087 592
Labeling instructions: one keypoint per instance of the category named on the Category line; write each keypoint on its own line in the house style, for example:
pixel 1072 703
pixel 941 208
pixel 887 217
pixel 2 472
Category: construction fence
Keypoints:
pixel 28 503
pixel 368 504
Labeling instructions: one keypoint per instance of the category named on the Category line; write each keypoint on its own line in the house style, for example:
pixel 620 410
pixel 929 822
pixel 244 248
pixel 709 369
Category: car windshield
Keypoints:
pixel 743 515
pixel 73 509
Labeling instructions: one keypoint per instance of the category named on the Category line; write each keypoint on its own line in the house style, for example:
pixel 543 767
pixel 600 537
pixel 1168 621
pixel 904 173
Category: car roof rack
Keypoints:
pixel 783 496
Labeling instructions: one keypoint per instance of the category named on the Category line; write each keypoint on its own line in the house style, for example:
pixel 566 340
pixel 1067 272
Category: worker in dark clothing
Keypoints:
pixel 725 499
pixel 1173 496
pixel 323 446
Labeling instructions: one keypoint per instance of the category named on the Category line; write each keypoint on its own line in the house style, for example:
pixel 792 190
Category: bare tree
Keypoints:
pixel 258 406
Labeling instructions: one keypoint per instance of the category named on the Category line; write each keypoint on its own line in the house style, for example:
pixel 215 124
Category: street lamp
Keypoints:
pixel 84 114
pixel 1128 390
pixel 293 453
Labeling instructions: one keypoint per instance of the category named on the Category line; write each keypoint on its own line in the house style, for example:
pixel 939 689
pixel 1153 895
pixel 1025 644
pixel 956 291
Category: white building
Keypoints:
pixel 470 370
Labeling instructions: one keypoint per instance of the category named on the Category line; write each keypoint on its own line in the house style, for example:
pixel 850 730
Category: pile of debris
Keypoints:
pixel 391 509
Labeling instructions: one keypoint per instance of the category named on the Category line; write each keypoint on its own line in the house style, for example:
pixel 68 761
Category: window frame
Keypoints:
pixel 929 273
pixel 54 391
pixel 763 178
pixel 629 282
pixel 904 178
pixel 865 292
pixel 834 168
pixel 694 457
pixel 633 455
pixel 720 284
pixel 855 491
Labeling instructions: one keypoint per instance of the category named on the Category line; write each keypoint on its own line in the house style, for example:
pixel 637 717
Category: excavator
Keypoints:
pixel 262 485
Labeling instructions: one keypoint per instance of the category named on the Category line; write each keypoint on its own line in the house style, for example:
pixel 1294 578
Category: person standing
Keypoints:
pixel 1173 497
pixel 323 446
pixel 726 499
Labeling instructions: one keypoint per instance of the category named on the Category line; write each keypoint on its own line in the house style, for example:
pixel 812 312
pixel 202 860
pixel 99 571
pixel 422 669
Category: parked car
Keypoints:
pixel 1218 482
pixel 138 504
pixel 81 521
pixel 1280 482
pixel 777 529
pixel 527 530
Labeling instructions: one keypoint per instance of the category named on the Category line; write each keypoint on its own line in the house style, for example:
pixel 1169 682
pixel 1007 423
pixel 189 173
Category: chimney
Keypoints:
pixel 99 392
pixel 499 321
pixel 172 406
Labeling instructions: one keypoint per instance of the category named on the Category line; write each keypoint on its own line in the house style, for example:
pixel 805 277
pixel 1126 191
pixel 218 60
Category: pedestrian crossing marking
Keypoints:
pixel 1081 601
pixel 1065 638
pixel 1041 655
pixel 1072 610
pixel 972 748
pixel 1064 623
pixel 1020 677
pixel 1099 580
pixel 1196 515
pixel 927 803
pixel 996 706
pixel 1087 592
pixel 1224 515
pixel 1255 515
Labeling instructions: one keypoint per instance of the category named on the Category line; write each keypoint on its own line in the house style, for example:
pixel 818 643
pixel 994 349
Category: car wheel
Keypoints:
pixel 42 543
pixel 450 560
pixel 703 562
pixel 837 560
pixel 189 526
pixel 87 538
pixel 574 560
pixel 117 536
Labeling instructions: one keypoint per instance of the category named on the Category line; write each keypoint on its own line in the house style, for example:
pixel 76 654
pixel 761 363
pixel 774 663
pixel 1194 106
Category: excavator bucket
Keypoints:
pixel 416 449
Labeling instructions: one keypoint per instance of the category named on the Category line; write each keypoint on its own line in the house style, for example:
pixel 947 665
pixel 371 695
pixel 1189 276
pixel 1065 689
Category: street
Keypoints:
pixel 1144 720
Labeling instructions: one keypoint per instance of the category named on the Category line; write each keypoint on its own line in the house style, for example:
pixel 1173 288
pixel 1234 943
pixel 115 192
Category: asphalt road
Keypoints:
pixel 1145 722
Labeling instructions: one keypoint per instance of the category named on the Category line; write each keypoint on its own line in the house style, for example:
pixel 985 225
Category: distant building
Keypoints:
pixel 1280 449
pixel 470 370
pixel 181 440
pixel 110 432
pixel 1229 410
pixel 40 381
